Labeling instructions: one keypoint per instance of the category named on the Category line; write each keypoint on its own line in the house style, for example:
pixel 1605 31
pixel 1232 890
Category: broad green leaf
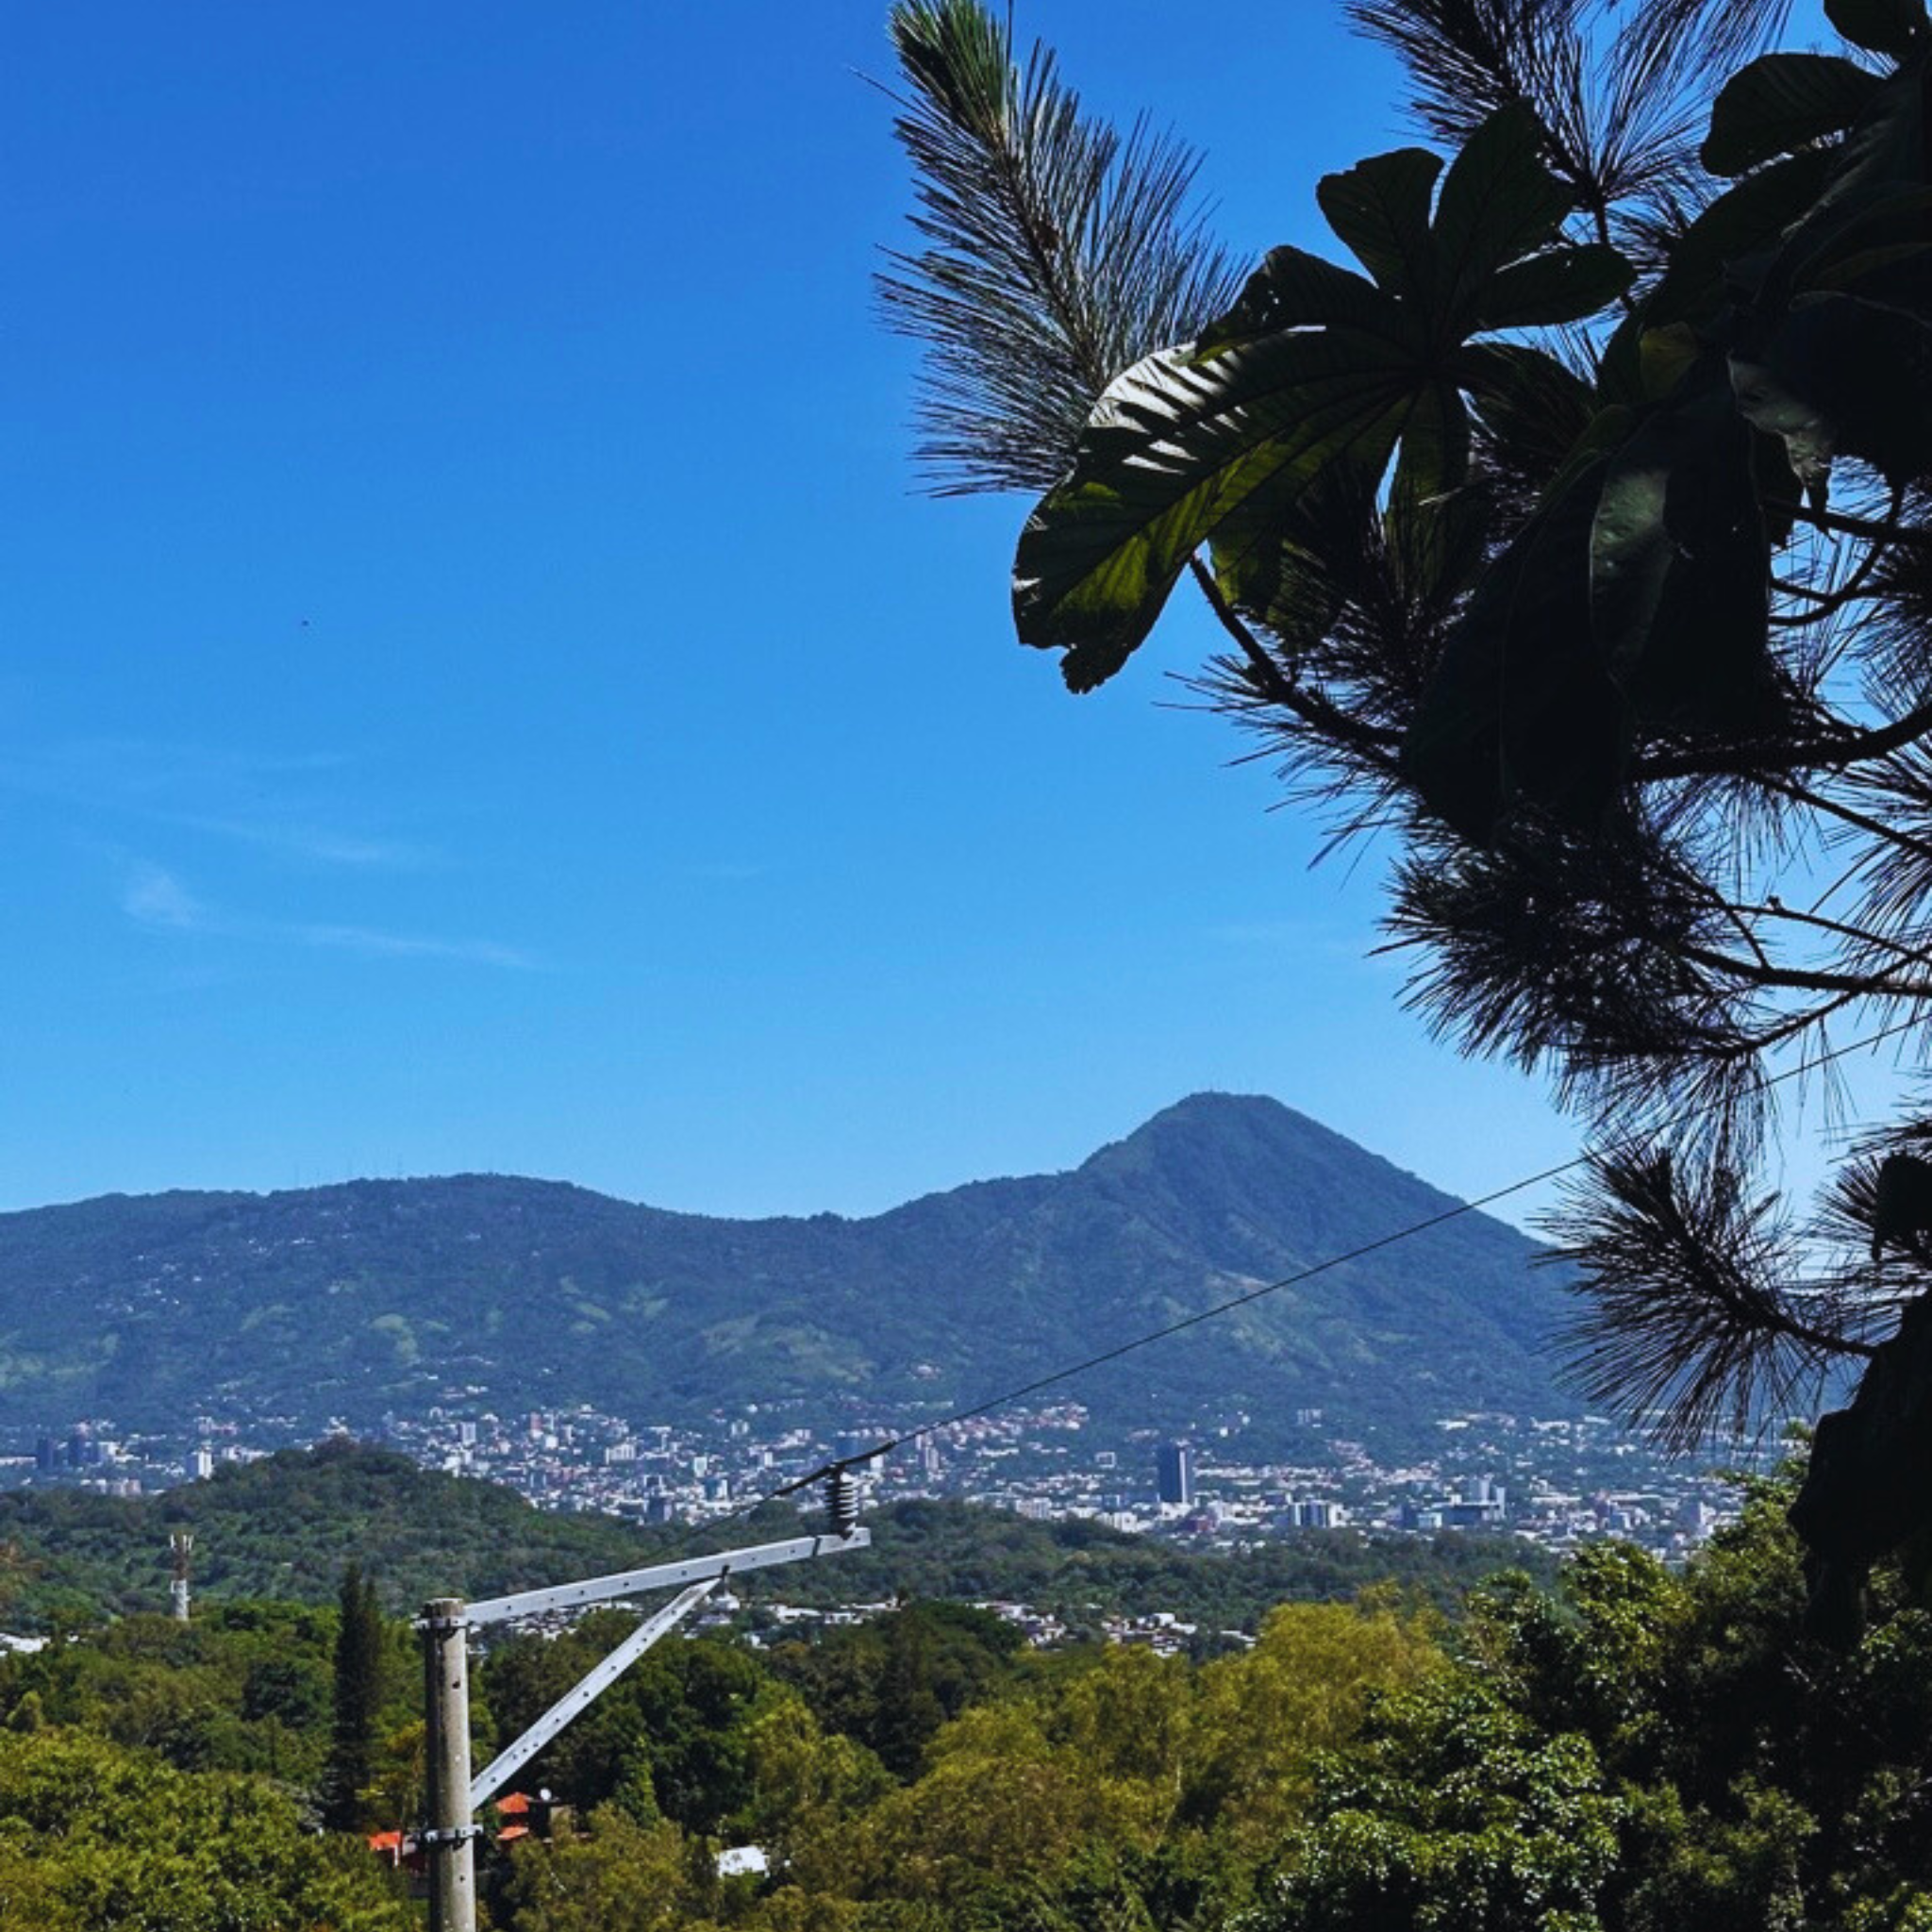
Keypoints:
pixel 1560 285
pixel 1380 209
pixel 1498 204
pixel 1435 447
pixel 1844 377
pixel 1886 27
pixel 1781 103
pixel 1679 564
pixel 1294 289
pixel 1880 251
pixel 1176 446
pixel 1881 164
pixel 1315 370
pixel 1287 557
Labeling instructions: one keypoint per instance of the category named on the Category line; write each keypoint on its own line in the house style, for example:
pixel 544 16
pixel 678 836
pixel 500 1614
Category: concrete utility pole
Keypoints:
pixel 450 1835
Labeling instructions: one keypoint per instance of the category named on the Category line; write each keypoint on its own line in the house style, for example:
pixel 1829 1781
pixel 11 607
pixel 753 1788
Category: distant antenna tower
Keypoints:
pixel 180 1545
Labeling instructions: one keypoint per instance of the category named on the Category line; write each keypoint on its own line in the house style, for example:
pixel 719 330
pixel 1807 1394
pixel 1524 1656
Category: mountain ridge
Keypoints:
pixel 394 1294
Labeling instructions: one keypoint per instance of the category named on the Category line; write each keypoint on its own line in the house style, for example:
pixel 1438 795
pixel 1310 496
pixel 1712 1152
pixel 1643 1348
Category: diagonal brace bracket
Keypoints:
pixel 507 1763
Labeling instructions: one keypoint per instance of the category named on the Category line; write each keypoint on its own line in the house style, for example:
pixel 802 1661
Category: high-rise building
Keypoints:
pixel 1173 1474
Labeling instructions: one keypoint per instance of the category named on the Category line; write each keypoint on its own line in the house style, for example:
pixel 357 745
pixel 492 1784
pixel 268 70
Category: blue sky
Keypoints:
pixel 481 691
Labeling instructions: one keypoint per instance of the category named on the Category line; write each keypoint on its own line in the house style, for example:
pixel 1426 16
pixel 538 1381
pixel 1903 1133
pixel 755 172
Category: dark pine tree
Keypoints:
pixel 358 1661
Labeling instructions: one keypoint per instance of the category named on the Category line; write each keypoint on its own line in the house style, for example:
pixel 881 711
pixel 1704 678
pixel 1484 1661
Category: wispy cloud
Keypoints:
pixel 154 897
pixel 297 839
pixel 281 804
pixel 396 945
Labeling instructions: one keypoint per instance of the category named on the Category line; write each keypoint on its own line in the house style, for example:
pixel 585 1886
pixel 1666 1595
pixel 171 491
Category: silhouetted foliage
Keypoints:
pixel 1578 540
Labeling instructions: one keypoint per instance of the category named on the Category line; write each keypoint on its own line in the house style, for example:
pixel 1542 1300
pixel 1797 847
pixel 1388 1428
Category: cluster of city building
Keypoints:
pixel 1553 1481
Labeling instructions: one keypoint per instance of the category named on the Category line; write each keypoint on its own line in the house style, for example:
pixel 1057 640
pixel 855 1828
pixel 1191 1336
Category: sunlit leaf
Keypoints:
pixel 1177 445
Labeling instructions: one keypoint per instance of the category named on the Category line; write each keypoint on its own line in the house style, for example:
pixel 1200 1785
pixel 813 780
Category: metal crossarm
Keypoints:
pixel 600 1590
pixel 506 1765
pixel 453 1794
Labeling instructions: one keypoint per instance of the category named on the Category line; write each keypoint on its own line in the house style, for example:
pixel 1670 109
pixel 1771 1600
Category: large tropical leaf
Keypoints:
pixel 1878 176
pixel 1499 203
pixel 1554 287
pixel 1842 375
pixel 1744 222
pixel 1782 103
pixel 1314 367
pixel 1177 444
pixel 1380 211
pixel 1294 289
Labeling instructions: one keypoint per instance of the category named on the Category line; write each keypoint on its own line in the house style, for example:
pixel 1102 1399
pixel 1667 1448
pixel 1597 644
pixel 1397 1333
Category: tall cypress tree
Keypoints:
pixel 358 1698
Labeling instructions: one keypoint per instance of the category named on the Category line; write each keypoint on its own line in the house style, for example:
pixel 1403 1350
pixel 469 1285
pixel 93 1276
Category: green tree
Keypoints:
pixel 1576 540
pixel 361 1645
pixel 94 1837
pixel 1458 1818
pixel 1265 1716
pixel 622 1876
pixel 678 1720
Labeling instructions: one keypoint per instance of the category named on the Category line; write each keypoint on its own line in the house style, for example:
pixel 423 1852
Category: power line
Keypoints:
pixel 1254 1295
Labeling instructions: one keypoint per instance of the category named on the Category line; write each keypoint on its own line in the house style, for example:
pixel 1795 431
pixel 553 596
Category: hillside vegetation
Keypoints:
pixel 1623 1750
pixel 282 1527
pixel 347 1302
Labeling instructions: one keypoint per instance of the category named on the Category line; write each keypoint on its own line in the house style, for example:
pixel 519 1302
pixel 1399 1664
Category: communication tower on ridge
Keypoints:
pixel 180 1546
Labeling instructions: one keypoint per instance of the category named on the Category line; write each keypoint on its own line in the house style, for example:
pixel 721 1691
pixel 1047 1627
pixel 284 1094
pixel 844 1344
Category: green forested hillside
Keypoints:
pixel 284 1526
pixel 350 1301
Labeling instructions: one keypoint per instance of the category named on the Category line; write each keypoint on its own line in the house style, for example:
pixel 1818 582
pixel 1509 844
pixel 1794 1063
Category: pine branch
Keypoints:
pixel 1059 251
pixel 1689 1332
pixel 1621 101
